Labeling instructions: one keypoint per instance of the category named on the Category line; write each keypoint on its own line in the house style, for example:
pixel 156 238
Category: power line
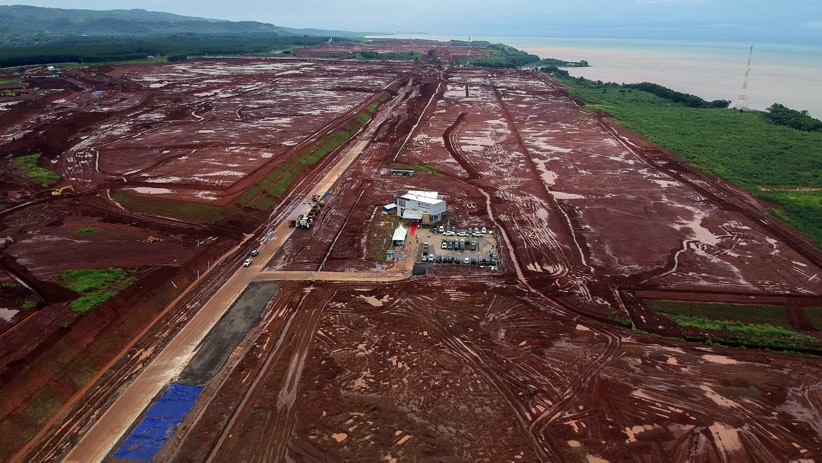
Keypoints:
pixel 742 103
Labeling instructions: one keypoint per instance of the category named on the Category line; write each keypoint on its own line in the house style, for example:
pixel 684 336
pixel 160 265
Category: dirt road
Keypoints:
pixel 110 427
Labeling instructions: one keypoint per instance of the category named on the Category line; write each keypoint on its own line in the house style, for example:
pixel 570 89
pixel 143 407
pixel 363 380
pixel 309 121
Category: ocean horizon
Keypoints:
pixel 785 73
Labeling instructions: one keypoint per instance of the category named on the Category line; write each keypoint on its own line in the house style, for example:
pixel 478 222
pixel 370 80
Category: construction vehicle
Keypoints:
pixel 63 189
pixel 304 222
pixel 152 239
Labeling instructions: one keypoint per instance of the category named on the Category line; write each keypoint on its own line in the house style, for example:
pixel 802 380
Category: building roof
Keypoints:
pixel 389 207
pixel 426 194
pixel 399 234
pixel 425 198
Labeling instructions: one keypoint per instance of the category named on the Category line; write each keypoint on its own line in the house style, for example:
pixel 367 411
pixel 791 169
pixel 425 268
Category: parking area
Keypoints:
pixel 468 246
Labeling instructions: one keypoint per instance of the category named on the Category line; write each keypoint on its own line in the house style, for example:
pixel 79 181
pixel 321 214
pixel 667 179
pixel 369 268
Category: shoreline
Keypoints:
pixel 788 74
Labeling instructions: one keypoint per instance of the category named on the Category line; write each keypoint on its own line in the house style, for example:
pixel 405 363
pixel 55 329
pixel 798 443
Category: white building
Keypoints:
pixel 422 206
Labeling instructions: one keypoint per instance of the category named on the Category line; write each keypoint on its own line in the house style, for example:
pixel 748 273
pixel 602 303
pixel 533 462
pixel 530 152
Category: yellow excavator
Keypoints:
pixel 63 189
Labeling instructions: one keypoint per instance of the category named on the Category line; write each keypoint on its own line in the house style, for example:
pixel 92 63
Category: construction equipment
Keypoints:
pixel 63 189
pixel 304 222
pixel 152 239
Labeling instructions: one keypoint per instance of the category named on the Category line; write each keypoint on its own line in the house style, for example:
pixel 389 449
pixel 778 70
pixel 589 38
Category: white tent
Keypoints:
pixel 399 236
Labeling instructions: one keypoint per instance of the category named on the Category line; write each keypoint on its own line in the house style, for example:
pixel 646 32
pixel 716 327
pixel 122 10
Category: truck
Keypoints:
pixel 304 222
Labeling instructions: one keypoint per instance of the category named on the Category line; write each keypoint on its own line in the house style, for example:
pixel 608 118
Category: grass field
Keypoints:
pixel 186 211
pixel 34 172
pixel 754 325
pixel 94 286
pixel 772 162
pixel 814 315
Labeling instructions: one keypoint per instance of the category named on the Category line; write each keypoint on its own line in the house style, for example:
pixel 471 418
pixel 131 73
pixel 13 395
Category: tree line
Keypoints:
pixel 98 50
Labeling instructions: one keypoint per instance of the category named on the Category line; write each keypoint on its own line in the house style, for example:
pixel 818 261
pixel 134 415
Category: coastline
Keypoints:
pixel 789 74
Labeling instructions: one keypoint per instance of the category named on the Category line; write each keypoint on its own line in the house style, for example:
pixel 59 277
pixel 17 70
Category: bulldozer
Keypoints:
pixel 63 189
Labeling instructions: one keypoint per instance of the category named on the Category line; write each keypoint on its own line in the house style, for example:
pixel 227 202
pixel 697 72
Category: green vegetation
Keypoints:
pixel 767 314
pixel 557 63
pixel 504 56
pixel 94 286
pixel 35 172
pixel 814 316
pixel 28 303
pixel 86 230
pixel 380 232
pixel 799 120
pixel 685 99
pixel 43 407
pixel 772 162
pixel 753 325
pixel 738 392
pixel 396 56
pixel 473 43
pixel 177 47
pixel 263 195
pixel 182 210
pixel 431 169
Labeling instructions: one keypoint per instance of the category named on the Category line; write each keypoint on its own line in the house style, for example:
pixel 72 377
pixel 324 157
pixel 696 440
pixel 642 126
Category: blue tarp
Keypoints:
pixel 159 423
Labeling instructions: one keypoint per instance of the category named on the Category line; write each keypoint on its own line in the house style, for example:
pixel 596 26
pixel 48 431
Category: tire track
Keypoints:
pixel 266 440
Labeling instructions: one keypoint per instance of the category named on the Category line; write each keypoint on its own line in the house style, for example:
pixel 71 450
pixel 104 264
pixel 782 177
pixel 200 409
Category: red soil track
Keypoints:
pixel 527 363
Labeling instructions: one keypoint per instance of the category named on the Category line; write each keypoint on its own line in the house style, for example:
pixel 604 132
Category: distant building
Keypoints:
pixel 421 206
pixel 402 172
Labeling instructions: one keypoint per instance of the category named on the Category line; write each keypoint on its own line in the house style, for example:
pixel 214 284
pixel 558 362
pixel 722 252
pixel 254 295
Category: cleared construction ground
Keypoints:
pixel 343 355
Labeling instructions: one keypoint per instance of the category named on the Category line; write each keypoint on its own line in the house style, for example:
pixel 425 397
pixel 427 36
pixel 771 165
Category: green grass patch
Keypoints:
pixel 263 195
pixel 34 172
pixel 182 210
pixel 754 314
pixel 814 316
pixel 754 325
pixel 82 373
pixel 86 230
pixel 742 147
pixel 389 55
pixel 262 203
pixel 380 233
pixel 94 286
pixel 799 209
pixel 43 407
pixel 735 392
pixel 504 56
pixel 28 304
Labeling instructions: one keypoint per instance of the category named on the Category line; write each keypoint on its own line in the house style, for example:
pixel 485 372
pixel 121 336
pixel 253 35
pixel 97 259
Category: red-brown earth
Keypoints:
pixel 461 364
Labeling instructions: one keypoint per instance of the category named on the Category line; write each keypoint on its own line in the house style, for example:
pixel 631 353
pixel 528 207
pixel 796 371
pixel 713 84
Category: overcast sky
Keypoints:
pixel 743 20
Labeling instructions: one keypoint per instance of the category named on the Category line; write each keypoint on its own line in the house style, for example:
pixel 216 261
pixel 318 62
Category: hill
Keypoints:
pixel 29 26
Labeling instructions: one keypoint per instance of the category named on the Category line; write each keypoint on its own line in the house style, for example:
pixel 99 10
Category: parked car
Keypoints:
pixel 247 262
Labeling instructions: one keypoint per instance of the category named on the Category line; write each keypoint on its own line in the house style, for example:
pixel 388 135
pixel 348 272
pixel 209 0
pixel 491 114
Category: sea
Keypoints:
pixel 788 74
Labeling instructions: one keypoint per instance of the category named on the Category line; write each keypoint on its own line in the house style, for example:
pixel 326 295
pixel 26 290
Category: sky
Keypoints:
pixel 737 20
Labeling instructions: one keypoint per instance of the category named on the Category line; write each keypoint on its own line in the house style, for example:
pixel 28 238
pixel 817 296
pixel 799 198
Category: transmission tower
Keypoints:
pixel 742 104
